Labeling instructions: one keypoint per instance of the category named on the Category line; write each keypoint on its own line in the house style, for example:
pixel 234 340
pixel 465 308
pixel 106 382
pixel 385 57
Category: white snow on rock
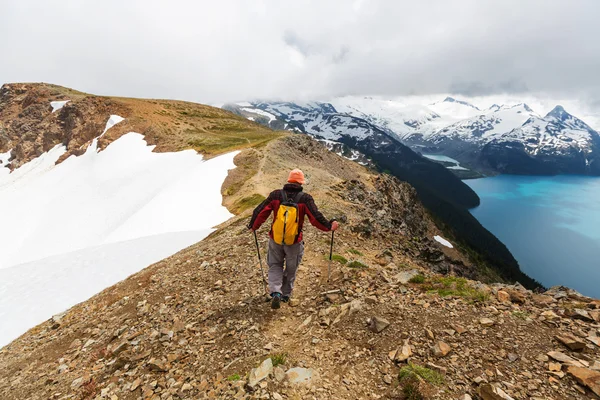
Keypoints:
pixel 443 241
pixel 260 112
pixel 80 226
pixel 57 105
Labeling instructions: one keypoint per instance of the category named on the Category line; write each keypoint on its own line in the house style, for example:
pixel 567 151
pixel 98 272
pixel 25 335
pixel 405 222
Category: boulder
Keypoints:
pixel 490 392
pixel 542 300
pixel 578 313
pixel 570 341
pixel 441 349
pixel 157 365
pixel 550 315
pixel 405 276
pixel 260 373
pixel 586 377
pixel 486 322
pixel 517 296
pixel 300 375
pixel 565 359
pixel 403 353
pixel 503 296
pixel 378 324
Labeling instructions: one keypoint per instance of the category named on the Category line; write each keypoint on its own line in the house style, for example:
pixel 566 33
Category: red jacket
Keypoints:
pixel 306 206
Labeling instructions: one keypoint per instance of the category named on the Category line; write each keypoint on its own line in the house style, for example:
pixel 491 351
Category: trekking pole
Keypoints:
pixel 330 257
pixel 262 272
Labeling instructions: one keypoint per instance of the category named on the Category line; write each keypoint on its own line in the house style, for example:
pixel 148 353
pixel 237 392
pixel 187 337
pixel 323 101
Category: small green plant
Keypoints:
pixel 356 264
pixel 336 257
pixel 459 287
pixel 412 371
pixel 520 314
pixel 279 359
pixel 420 278
pixel 234 377
pixel 355 252
pixel 248 202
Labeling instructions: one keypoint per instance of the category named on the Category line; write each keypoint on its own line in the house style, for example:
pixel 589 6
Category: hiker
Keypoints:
pixel 289 206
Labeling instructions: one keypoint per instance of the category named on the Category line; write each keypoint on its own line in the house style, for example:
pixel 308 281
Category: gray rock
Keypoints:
pixel 378 324
pixel 260 373
pixel 300 375
pixel 405 276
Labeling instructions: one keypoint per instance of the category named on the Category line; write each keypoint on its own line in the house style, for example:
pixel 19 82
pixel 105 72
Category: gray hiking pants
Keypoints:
pixel 282 280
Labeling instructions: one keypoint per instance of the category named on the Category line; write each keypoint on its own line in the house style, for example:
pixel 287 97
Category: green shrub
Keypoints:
pixel 336 257
pixel 412 371
pixel 234 377
pixel 417 279
pixel 458 287
pixel 356 264
pixel 279 359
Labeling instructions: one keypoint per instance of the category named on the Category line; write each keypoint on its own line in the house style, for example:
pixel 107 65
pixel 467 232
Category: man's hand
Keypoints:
pixel 334 225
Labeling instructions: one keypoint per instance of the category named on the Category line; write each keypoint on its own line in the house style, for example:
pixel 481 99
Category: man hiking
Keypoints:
pixel 289 206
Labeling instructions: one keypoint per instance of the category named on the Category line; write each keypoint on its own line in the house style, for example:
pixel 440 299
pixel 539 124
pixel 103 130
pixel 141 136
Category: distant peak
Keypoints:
pixel 523 106
pixel 453 100
pixel 558 112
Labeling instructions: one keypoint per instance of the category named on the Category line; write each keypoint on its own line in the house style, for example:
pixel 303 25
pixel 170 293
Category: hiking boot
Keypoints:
pixel 276 302
pixel 285 299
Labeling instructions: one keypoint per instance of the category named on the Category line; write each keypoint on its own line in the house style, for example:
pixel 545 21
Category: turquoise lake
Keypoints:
pixel 550 224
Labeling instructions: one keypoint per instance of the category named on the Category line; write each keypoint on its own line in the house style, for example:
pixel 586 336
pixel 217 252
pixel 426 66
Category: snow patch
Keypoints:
pixel 260 112
pixel 92 220
pixel 33 292
pixel 443 241
pixel 57 105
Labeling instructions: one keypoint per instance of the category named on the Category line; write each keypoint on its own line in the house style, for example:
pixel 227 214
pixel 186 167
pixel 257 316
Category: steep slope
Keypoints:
pixel 70 210
pixel 195 325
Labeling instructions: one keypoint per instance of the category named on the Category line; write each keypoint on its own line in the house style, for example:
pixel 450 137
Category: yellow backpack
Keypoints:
pixel 285 227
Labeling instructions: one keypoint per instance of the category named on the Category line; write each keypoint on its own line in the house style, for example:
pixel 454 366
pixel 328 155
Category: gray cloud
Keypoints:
pixel 238 49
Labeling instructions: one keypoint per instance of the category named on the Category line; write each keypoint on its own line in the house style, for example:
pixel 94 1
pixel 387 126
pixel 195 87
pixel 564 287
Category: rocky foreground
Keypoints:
pixel 398 320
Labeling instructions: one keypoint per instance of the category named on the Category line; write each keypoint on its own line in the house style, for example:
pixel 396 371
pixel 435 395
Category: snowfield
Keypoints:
pixel 73 229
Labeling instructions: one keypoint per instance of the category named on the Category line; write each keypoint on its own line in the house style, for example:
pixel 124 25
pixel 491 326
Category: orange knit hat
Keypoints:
pixel 296 176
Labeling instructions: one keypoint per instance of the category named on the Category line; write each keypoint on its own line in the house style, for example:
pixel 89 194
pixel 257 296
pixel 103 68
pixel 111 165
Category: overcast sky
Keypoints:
pixel 215 51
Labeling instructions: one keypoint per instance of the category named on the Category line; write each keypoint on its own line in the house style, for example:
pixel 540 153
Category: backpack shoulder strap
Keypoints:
pixel 298 197
pixel 283 196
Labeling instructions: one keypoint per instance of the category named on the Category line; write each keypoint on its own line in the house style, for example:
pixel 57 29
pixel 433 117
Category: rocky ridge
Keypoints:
pixel 399 317
pixel 30 125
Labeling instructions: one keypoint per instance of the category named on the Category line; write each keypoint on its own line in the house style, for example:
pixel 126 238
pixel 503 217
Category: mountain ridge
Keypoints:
pixel 196 326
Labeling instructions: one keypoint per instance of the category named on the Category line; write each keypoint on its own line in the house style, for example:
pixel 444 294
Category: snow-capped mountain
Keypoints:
pixel 364 142
pixel 556 143
pixel 451 127
pixel 480 128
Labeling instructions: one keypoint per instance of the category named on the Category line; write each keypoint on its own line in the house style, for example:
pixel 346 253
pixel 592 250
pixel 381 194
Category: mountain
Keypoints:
pixel 444 195
pixel 397 318
pixel 557 143
pixel 323 121
pixel 500 139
